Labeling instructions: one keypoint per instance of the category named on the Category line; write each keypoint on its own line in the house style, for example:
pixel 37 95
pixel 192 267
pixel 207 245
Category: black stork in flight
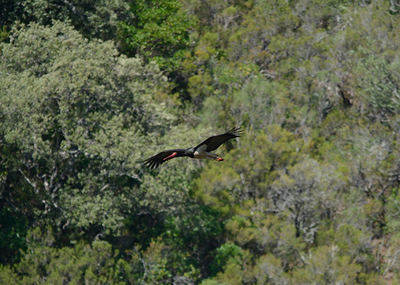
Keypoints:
pixel 201 151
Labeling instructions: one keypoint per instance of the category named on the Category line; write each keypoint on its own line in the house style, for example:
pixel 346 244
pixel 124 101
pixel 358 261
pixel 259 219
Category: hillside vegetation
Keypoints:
pixel 310 194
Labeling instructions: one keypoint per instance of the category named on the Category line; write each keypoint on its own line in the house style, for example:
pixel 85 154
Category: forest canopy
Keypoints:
pixel 309 194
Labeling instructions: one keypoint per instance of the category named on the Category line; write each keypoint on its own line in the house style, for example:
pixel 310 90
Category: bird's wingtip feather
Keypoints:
pixel 237 131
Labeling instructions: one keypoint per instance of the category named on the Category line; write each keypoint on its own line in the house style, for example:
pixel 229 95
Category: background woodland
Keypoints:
pixel 310 194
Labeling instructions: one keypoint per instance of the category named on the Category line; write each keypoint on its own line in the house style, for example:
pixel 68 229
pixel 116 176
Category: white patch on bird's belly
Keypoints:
pixel 201 153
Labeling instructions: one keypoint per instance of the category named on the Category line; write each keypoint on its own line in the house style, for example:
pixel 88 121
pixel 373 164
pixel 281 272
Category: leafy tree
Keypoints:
pixel 12 233
pixel 70 108
pixel 324 265
pixel 268 269
pixel 247 173
pixel 94 19
pixel 381 84
pixel 392 255
pixel 3 34
pixel 9 12
pixel 95 263
pixel 308 194
pixel 392 212
pixel 160 31
pixel 301 194
pixel 223 254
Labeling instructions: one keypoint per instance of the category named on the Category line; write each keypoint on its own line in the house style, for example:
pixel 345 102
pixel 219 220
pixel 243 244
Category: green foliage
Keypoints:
pixel 97 19
pixel 381 85
pixel 324 266
pixel 295 192
pixel 308 195
pixel 72 123
pixel 392 210
pixel 3 33
pixel 159 31
pixel 164 264
pixel 268 269
pixel 247 174
pixel 391 256
pixel 226 252
pixel 96 263
pixel 9 12
pixel 12 235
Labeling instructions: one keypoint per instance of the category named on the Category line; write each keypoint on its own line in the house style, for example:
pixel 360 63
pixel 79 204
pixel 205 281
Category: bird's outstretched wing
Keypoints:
pixel 158 159
pixel 215 141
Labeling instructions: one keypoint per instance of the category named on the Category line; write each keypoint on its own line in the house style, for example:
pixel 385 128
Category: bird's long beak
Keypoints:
pixel 170 156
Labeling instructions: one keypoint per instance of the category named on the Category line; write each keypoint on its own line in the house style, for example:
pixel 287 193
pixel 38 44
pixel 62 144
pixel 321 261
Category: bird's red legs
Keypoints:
pixel 220 159
pixel 170 156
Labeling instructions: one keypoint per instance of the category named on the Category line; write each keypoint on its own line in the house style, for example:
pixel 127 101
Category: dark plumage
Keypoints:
pixel 200 151
pixel 214 142
pixel 160 158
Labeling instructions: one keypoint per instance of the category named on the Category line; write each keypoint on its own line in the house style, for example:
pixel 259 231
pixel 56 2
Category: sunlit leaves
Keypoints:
pixel 381 86
pixel 325 265
pixel 93 19
pixel 79 119
pixel 308 194
pixel 159 31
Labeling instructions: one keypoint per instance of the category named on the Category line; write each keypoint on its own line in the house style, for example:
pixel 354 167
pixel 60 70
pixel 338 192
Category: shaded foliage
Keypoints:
pixel 94 19
pixel 308 195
